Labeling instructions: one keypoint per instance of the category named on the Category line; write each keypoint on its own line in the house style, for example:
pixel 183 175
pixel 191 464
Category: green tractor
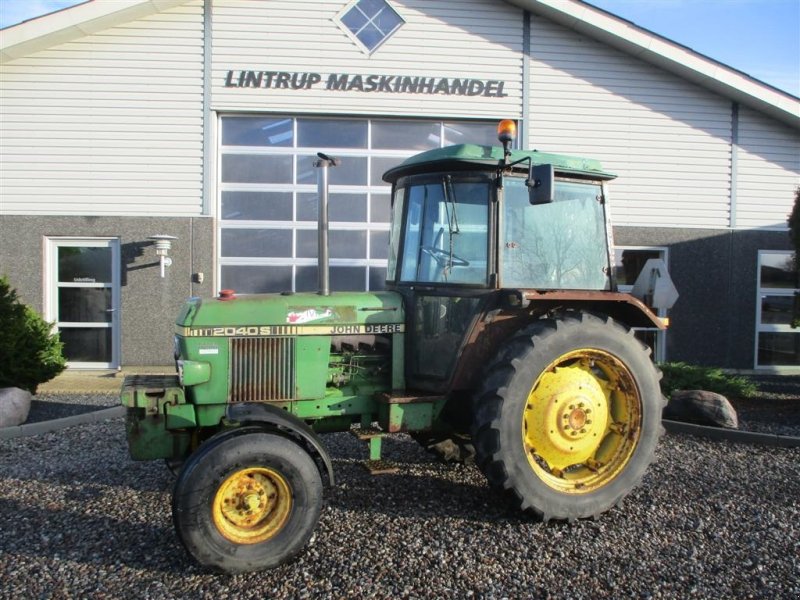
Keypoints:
pixel 500 326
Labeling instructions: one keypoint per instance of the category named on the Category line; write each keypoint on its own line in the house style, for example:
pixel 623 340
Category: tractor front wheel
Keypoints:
pixel 568 417
pixel 247 500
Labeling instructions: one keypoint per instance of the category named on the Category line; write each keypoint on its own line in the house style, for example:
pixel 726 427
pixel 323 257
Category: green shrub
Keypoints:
pixel 680 376
pixel 30 353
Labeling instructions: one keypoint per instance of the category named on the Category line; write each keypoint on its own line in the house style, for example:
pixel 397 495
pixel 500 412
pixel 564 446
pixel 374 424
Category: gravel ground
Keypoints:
pixel 711 520
pixel 774 409
pixel 46 407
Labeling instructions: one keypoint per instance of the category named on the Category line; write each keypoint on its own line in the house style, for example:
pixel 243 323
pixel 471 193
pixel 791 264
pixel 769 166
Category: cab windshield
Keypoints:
pixel 560 245
pixel 446 237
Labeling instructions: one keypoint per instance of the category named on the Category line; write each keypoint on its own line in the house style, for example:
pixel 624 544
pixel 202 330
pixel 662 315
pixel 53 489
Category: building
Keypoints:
pixel 198 119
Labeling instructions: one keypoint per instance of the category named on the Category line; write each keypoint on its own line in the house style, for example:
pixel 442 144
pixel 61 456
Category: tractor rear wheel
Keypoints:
pixel 568 417
pixel 246 500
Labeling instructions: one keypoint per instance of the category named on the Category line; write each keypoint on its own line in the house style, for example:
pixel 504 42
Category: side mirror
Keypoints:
pixel 540 184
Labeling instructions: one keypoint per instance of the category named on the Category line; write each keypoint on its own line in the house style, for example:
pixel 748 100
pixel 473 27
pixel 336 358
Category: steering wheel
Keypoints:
pixel 443 258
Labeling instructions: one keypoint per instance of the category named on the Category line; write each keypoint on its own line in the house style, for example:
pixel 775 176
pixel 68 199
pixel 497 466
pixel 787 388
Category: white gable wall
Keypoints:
pixel 456 39
pixel 111 123
pixel 667 139
pixel 768 171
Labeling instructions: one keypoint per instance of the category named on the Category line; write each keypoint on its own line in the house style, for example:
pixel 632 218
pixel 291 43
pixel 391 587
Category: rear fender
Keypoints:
pixel 518 308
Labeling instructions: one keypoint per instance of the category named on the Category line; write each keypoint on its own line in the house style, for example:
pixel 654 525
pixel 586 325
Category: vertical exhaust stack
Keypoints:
pixel 323 164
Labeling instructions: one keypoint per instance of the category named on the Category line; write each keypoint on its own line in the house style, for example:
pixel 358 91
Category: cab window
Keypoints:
pixel 560 245
pixel 446 236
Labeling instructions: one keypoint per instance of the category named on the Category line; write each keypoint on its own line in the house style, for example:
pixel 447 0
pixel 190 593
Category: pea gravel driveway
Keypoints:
pixel 79 519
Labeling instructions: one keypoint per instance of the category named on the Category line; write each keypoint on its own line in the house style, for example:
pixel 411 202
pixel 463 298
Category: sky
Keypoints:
pixel 758 37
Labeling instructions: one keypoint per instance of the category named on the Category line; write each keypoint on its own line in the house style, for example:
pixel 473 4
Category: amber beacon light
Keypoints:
pixel 506 133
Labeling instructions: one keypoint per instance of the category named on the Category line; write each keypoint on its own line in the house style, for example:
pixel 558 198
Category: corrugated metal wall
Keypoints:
pixel 667 139
pixel 768 173
pixel 458 39
pixel 111 123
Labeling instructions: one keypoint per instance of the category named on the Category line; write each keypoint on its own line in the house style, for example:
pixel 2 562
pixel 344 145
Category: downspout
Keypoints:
pixel 209 143
pixel 734 162
pixel 525 127
pixel 732 227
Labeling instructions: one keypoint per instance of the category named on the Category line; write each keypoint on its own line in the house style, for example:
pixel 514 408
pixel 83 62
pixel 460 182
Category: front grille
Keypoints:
pixel 262 369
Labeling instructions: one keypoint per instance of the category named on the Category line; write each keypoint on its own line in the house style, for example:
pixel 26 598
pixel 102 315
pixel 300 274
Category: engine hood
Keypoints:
pixel 292 311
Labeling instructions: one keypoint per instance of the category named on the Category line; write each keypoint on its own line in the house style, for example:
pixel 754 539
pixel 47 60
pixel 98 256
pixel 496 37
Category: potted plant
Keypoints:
pixel 30 354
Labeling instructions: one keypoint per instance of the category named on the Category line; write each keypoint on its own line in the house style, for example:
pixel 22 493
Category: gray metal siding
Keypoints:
pixel 458 39
pixel 109 124
pixel 667 139
pixel 768 171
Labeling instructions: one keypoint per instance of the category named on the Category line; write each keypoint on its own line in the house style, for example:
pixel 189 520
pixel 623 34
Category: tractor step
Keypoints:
pixel 375 465
pixel 398 413
pixel 381 467
pixel 366 434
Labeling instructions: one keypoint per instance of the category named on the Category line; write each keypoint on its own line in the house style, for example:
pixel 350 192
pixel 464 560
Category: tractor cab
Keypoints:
pixel 468 216
pixel 477 231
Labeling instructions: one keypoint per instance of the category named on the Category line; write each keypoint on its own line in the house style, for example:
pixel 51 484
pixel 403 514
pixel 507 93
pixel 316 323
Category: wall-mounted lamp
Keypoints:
pixel 163 246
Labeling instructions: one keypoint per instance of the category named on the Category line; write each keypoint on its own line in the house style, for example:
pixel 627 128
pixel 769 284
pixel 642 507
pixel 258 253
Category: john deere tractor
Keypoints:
pixel 501 325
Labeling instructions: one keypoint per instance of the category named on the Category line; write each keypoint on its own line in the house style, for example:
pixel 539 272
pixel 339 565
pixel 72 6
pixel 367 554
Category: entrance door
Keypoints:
pixel 84 300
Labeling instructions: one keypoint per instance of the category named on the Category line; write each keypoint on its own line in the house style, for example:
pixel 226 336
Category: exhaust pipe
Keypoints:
pixel 323 164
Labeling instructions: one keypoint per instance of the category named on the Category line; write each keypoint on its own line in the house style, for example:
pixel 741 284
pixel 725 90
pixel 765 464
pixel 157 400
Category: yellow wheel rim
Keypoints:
pixel 582 421
pixel 252 505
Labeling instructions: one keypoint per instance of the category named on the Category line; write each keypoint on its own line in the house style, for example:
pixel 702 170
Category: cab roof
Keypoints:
pixel 488 158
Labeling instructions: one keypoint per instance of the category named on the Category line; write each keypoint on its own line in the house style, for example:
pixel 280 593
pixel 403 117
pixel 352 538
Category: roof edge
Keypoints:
pixel 492 158
pixel 671 56
pixel 71 23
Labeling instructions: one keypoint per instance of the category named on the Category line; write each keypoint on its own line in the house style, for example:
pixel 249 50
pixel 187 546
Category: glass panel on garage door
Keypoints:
pixel 267 236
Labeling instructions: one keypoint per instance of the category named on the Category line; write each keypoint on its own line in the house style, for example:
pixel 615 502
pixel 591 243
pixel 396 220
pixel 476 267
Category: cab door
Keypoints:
pixel 444 270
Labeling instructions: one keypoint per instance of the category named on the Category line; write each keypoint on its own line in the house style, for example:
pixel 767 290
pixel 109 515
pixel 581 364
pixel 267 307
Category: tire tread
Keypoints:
pixel 493 394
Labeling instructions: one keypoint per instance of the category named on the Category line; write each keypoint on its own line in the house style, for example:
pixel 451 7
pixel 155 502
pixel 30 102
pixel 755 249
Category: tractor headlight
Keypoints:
pixel 193 372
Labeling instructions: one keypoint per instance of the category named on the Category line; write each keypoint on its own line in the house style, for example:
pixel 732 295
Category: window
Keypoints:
pixel 628 263
pixel 560 245
pixel 447 234
pixel 370 22
pixel 267 231
pixel 777 344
